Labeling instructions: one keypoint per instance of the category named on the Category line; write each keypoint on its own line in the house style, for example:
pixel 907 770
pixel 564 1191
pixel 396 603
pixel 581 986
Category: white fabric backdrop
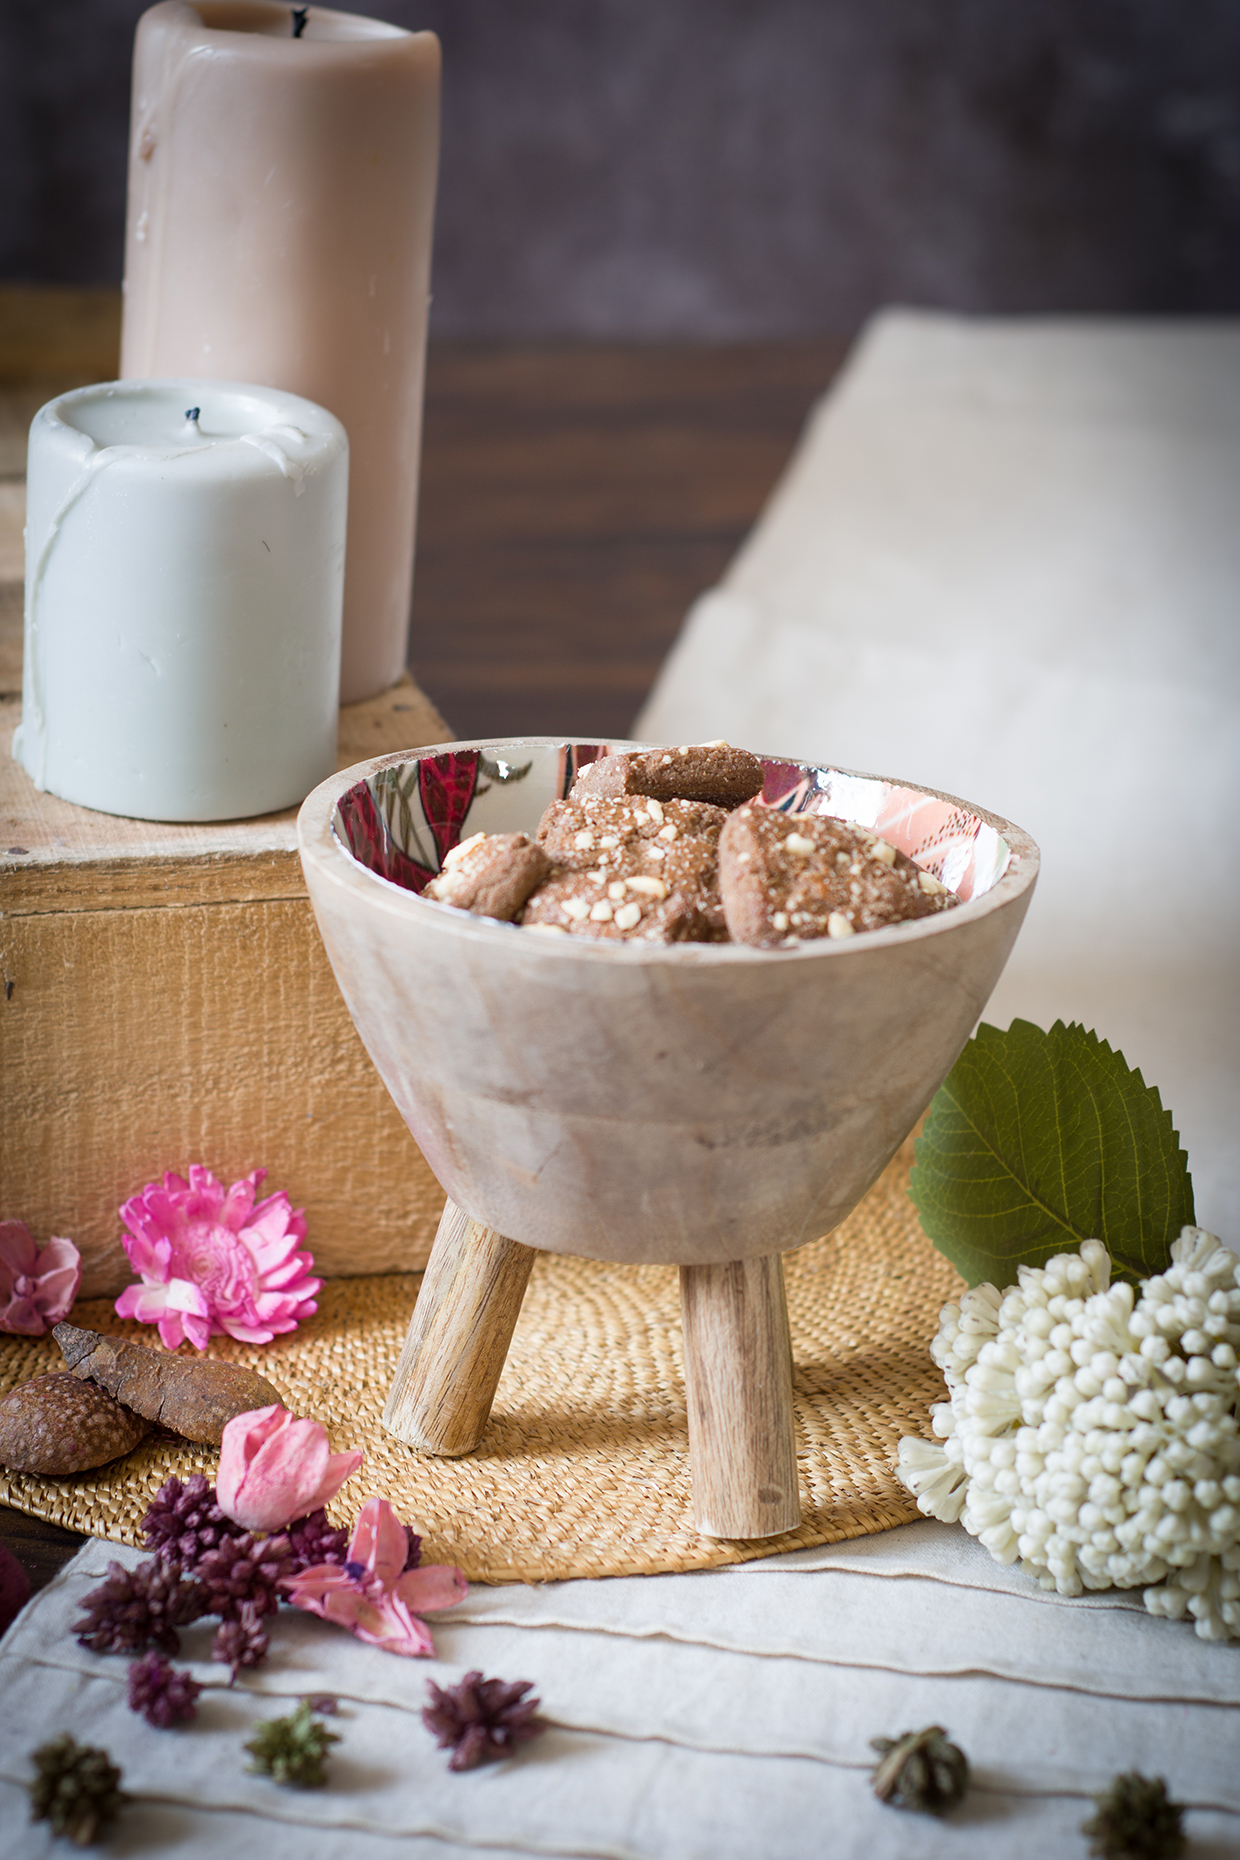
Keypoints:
pixel 1005 561
pixel 717 1716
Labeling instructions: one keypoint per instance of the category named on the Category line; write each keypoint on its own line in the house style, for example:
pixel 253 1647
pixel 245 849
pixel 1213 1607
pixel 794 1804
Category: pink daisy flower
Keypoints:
pixel 216 1264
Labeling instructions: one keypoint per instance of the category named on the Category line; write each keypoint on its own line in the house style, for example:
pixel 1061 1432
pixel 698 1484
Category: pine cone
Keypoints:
pixel 77 1789
pixel 185 1521
pixel 163 1695
pixel 244 1569
pixel 138 1608
pixel 1135 1820
pixel 920 1770
pixel 481 1718
pixel 312 1541
pixel 292 1750
pixel 241 1640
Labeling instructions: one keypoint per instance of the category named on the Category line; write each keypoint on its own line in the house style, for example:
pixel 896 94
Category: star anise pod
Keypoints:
pixel 480 1718
pixel 162 1694
pixel 241 1640
pixel 292 1749
pixel 312 1541
pixel 185 1521
pixel 77 1789
pixel 1135 1820
pixel 920 1770
pixel 245 1569
pixel 134 1609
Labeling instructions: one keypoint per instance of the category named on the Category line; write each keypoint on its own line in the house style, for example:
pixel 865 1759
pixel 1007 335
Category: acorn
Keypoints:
pixel 55 1425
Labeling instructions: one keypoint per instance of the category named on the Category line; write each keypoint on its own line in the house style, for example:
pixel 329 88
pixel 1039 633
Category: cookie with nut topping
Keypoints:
pixel 491 874
pixel 593 830
pixel 712 772
pixel 788 879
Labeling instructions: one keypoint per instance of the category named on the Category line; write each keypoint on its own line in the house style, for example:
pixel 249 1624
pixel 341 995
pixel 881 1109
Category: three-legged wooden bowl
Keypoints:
pixel 704 1105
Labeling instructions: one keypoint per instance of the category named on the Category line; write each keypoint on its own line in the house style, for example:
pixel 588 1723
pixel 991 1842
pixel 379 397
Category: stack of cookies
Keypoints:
pixel 673 846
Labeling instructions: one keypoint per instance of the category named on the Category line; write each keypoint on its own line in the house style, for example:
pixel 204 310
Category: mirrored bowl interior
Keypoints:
pixel 401 822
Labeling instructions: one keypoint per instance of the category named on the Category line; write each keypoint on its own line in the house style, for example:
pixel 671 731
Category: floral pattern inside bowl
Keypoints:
pixel 402 821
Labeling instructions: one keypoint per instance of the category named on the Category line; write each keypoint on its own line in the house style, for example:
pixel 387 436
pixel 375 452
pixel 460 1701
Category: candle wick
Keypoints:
pixel 191 414
pixel 299 20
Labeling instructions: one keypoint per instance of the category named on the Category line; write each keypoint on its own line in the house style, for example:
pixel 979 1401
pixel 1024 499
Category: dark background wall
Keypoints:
pixel 736 168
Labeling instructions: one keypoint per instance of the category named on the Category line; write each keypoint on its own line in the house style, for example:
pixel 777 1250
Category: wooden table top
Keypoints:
pixel 574 502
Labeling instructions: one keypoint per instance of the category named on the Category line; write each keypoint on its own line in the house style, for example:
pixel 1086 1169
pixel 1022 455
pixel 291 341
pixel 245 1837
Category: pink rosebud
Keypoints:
pixel 37 1284
pixel 373 1595
pixel 275 1467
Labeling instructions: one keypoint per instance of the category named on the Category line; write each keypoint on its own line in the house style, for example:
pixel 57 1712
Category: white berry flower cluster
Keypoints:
pixel 1091 1431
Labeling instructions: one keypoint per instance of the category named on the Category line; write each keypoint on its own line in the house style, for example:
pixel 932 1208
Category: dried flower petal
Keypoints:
pixel 373 1594
pixel 37 1284
pixel 479 1718
pixel 163 1695
pixel 275 1467
pixel 212 1263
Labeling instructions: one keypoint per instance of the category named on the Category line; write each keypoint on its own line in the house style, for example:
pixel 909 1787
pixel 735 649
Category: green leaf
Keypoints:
pixel 1036 1141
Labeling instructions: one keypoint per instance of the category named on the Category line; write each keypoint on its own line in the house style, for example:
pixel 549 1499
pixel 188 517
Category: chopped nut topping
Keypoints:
pixel 882 850
pixel 601 913
pixel 583 840
pixel 628 916
pixel 655 810
pixel 780 920
pixel 576 908
pixel 608 840
pixel 458 852
pixel 838 925
pixel 668 832
pixel 616 888
pixel 930 884
pixel 797 843
pixel 649 887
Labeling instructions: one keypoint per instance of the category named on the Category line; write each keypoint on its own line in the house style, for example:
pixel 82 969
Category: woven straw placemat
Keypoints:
pixel 584 1468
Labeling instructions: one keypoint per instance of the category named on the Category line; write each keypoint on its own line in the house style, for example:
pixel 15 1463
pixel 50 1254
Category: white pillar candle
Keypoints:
pixel 184 583
pixel 281 203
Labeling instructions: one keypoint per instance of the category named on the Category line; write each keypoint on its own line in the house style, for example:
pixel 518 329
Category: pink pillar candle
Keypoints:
pixel 281 203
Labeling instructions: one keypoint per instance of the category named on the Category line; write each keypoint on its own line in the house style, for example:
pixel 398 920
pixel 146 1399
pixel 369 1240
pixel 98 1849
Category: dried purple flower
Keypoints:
pixel 185 1521
pixel 138 1608
pixel 244 1569
pixel 163 1695
pixel 326 1704
pixel 314 1541
pixel 241 1640
pixel 481 1718
pixel 414 1555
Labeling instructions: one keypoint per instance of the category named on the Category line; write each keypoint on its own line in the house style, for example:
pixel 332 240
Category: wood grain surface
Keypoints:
pixel 462 1325
pixel 738 1389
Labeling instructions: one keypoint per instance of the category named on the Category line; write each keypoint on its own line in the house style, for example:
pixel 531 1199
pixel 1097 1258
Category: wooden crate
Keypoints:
pixel 166 1000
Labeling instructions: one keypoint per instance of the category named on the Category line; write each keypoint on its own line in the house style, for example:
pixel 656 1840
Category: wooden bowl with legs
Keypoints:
pixel 705 1105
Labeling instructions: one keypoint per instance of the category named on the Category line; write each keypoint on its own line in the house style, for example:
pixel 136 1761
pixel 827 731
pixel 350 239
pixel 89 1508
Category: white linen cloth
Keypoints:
pixel 723 1715
pixel 1005 562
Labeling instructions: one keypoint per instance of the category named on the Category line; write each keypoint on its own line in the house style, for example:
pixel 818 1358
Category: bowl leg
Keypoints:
pixel 738 1381
pixel 458 1338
